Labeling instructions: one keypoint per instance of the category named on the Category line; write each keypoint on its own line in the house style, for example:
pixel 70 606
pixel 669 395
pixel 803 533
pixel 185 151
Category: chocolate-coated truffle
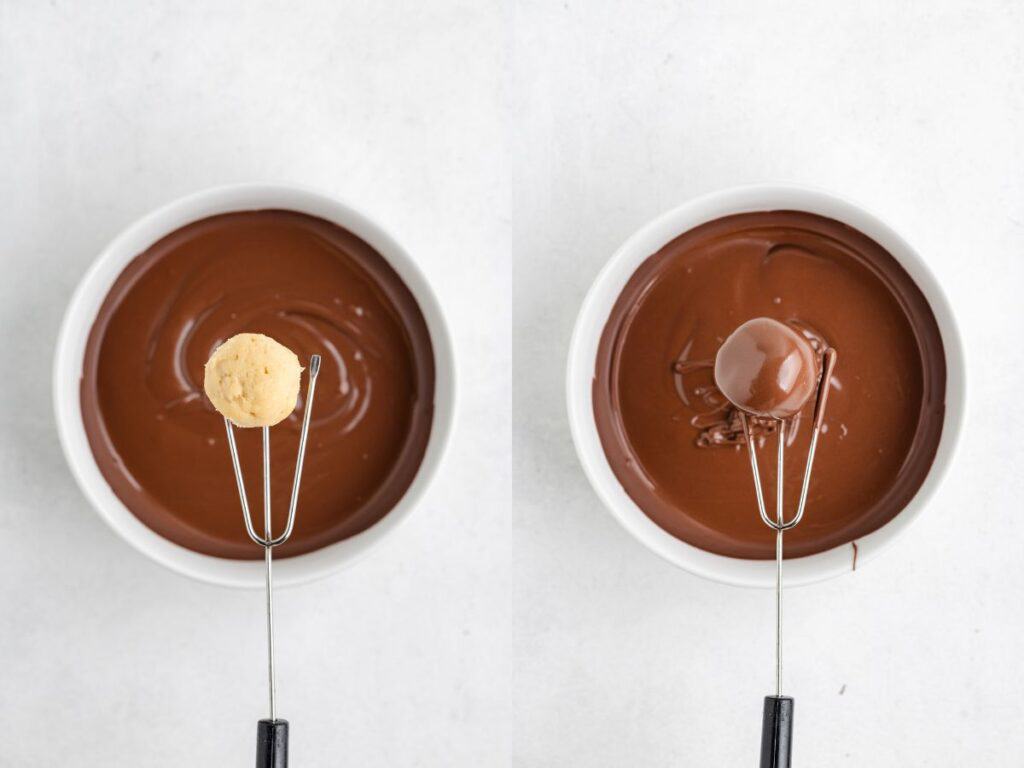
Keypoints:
pixel 766 368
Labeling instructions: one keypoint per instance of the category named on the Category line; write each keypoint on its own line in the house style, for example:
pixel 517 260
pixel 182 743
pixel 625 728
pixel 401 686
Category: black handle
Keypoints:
pixel 777 732
pixel 272 744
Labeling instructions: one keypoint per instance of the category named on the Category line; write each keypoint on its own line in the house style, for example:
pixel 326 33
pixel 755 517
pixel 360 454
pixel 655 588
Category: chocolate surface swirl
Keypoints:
pixel 665 427
pixel 312 286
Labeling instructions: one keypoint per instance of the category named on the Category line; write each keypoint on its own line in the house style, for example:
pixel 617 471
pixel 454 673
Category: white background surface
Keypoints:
pixel 511 147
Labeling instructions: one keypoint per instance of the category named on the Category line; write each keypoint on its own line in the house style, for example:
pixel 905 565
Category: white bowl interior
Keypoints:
pixel 78 320
pixel 583 355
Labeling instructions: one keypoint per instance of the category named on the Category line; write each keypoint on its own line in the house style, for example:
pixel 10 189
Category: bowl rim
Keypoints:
pixel 80 313
pixel 593 315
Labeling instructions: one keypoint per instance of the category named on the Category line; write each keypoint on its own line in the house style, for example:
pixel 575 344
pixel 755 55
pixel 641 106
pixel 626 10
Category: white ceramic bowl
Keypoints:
pixel 583 355
pixel 67 373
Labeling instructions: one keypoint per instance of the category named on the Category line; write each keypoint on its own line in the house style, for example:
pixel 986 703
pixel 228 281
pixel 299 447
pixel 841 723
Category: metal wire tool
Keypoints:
pixel 777 722
pixel 272 733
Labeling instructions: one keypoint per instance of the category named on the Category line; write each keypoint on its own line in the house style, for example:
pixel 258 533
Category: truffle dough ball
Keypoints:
pixel 253 380
pixel 766 368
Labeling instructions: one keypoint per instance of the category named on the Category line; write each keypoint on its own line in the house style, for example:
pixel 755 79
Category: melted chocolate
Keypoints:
pixel 314 287
pixel 675 442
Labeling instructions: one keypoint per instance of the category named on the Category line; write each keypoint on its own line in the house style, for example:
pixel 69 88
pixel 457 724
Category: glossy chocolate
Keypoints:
pixel 675 442
pixel 766 368
pixel 314 287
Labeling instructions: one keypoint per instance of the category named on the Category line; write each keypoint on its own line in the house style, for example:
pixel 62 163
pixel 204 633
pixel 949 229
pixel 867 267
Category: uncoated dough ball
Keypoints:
pixel 253 380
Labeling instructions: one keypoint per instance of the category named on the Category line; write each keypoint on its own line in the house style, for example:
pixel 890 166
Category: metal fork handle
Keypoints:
pixel 272 744
pixel 777 732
